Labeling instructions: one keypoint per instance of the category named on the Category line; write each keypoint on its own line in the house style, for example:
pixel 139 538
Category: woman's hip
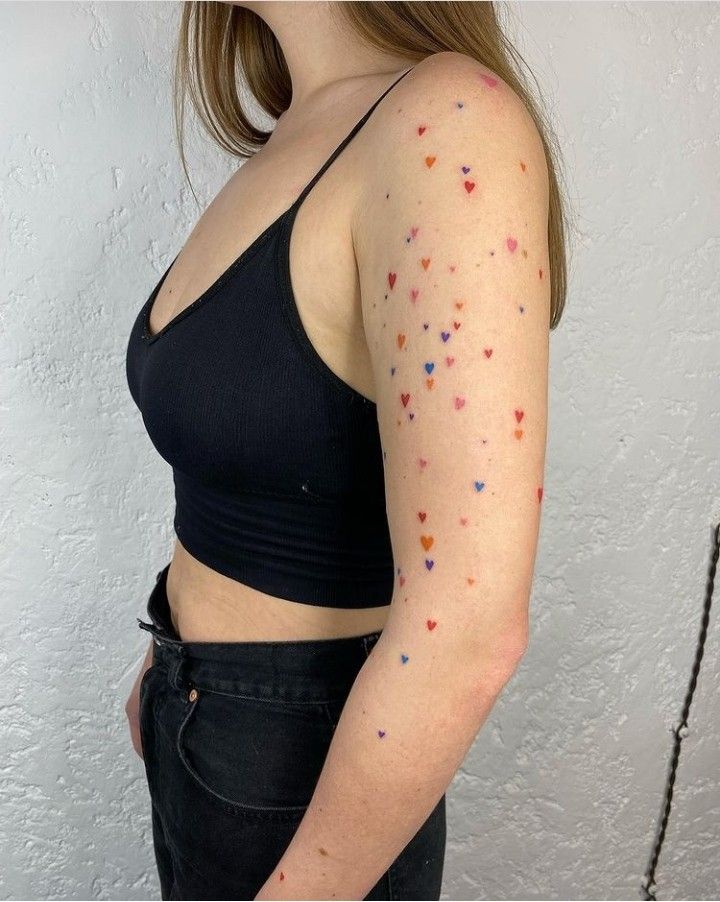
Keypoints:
pixel 234 737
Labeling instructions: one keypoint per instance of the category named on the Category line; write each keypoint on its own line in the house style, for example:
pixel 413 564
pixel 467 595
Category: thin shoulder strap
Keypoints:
pixel 344 143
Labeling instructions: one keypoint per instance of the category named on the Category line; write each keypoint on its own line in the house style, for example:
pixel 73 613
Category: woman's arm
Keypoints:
pixel 451 240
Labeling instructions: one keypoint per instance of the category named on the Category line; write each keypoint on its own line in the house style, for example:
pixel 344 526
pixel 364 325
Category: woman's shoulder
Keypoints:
pixel 459 78
pixel 453 104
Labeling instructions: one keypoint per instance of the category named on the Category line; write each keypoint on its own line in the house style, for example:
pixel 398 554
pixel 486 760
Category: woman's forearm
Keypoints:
pixel 406 727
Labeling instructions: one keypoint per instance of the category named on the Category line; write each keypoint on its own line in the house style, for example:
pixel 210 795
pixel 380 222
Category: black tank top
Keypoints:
pixel 277 462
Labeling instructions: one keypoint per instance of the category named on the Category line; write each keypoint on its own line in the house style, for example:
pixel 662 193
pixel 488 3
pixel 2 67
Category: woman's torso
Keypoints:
pixel 207 605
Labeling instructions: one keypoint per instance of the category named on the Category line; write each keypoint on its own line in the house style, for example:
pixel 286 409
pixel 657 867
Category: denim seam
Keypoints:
pixel 276 701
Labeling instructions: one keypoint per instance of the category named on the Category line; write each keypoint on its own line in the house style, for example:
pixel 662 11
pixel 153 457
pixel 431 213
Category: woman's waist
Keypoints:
pixel 283 669
pixel 207 606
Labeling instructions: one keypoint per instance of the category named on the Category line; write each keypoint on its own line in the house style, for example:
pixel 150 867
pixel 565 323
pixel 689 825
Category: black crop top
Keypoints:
pixel 277 462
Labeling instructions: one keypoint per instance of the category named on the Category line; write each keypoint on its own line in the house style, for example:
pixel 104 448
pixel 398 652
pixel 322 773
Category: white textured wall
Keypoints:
pixel 558 798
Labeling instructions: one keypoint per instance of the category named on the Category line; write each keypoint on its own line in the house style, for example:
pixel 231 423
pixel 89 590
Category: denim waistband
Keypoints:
pixel 287 670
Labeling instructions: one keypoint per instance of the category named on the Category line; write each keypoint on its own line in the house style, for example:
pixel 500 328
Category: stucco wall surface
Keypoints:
pixel 559 795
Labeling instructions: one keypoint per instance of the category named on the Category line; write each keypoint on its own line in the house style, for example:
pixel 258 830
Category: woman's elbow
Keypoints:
pixel 498 651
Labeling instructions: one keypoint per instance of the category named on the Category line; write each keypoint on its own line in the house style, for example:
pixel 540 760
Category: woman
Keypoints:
pixel 346 367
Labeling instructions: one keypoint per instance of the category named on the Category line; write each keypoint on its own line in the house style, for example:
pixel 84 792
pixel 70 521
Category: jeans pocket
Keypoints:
pixel 253 755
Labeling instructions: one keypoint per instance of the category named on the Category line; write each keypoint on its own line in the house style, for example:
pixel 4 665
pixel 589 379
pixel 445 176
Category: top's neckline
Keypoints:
pixel 150 337
pixel 254 246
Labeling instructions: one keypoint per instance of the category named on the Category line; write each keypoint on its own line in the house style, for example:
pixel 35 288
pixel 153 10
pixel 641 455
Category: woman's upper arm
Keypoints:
pixel 451 243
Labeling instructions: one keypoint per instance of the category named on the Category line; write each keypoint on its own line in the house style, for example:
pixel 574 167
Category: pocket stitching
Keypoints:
pixel 323 703
pixel 277 812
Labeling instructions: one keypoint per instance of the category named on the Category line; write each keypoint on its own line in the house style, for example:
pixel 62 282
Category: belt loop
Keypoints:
pixel 175 674
pixel 369 642
pixel 150 627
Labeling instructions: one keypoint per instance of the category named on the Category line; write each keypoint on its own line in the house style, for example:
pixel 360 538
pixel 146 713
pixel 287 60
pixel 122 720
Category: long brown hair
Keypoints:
pixel 220 45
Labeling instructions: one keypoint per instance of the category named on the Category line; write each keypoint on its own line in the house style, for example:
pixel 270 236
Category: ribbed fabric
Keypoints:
pixel 277 462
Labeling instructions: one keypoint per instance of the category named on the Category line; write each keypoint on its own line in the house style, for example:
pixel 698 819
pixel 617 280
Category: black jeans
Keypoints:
pixel 234 737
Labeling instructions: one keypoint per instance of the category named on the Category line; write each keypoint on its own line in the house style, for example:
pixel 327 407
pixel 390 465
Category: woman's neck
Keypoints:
pixel 320 46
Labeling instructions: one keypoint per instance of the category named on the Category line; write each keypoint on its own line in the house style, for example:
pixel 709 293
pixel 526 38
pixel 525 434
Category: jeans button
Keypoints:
pixel 192 695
